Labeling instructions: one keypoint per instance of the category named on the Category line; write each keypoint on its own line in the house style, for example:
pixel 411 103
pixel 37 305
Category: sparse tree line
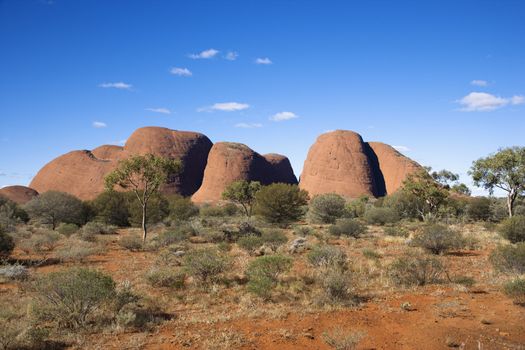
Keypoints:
pixel 254 218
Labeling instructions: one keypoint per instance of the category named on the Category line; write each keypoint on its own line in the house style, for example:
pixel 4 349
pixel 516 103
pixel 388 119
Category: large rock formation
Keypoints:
pixel 341 162
pixel 82 173
pixel 18 194
pixel 229 162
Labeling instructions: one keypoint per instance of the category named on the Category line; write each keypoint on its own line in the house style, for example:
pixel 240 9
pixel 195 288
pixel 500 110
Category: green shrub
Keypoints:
pixel 356 208
pixel 40 242
pixel 281 203
pixel 406 204
pixel 166 277
pixel 53 207
pixel 205 264
pixel 112 208
pixel 76 250
pixel 173 236
pixel 11 214
pixel 396 231
pixel 67 229
pixel 303 231
pixel 250 243
pixel 347 227
pixel 327 256
pixel 72 298
pixel 513 229
pixel 131 242
pixel 326 208
pixel 416 270
pixel 438 239
pixel 478 209
pixel 381 216
pixel 229 209
pixel 7 244
pixel 337 286
pixel 509 258
pixel 516 290
pixel 97 228
pixel 158 209
pixel 274 238
pixel 263 273
pixel 181 208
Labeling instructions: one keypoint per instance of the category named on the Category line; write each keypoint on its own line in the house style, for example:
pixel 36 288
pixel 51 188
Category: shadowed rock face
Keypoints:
pixel 340 162
pixel 82 173
pixel 229 162
pixel 18 194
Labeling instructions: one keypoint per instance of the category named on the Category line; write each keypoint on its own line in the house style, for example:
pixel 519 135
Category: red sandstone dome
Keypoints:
pixel 82 173
pixel 341 162
pixel 229 162
pixel 18 194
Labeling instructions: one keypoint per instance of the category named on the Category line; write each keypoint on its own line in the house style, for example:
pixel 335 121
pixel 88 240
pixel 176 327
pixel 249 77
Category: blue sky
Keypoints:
pixel 444 80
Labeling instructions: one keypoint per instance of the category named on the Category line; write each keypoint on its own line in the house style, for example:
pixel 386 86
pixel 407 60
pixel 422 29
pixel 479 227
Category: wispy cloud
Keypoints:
pixel 210 53
pixel 225 107
pixel 263 60
pixel 159 110
pixel 485 102
pixel 119 142
pixel 402 148
pixel 118 85
pixel 99 125
pixel 283 116
pixel 248 125
pixel 479 83
pixel 182 72
pixel 231 56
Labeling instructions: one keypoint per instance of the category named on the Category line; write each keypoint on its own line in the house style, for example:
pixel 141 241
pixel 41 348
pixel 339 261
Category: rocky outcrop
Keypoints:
pixel 18 194
pixel 82 173
pixel 341 162
pixel 229 162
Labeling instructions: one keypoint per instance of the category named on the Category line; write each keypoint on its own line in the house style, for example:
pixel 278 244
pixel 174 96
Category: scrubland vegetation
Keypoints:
pixel 78 274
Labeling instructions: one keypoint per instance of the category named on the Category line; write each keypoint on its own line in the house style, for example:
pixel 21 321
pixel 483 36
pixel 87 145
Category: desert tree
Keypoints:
pixel 430 194
pixel 504 170
pixel 242 192
pixel 143 175
pixel 54 207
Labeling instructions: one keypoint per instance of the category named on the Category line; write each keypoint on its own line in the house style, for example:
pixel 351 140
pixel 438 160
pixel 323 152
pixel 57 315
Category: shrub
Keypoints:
pixel 158 209
pixel 218 211
pixel 14 272
pixel 356 208
pixel 326 208
pixel 131 242
pixel 205 264
pixel 243 193
pixel 513 229
pixel 67 229
pixel 173 236
pixel 53 207
pixel 342 340
pixel 303 230
pixel 274 238
pixel 40 242
pixel 250 243
pixel 71 298
pixel 337 286
pixel 7 244
pixel 111 208
pixel 76 250
pixel 347 227
pixel 509 258
pixel 281 203
pixel 263 273
pixel 438 239
pixel 10 214
pixel 516 290
pixel 371 254
pixel 381 216
pixel 181 208
pixel 396 231
pixel 13 324
pixel 327 256
pixel 406 204
pixel 414 270
pixel 478 209
pixel 97 228
pixel 165 277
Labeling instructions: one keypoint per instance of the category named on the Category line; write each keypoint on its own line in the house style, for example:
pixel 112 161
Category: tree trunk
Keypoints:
pixel 510 203
pixel 144 225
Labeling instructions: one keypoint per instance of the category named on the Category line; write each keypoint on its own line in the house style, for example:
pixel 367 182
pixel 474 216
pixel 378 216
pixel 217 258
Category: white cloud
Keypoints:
pixel 484 102
pixel 248 125
pixel 119 142
pixel 231 56
pixel 99 125
pixel 263 60
pixel 402 148
pixel 283 116
pixel 159 110
pixel 479 82
pixel 225 107
pixel 182 72
pixel 210 53
pixel 118 85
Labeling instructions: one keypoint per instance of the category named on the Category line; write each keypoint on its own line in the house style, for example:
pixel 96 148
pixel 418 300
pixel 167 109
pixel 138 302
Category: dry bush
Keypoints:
pixel 166 277
pixel 76 250
pixel 348 227
pixel 509 258
pixel 439 239
pixel 516 290
pixel 416 270
pixel 341 339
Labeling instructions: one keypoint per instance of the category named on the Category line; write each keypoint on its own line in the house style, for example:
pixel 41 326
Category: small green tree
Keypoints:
pixel 326 208
pixel 242 192
pixel 431 194
pixel 54 207
pixel 111 208
pixel 281 203
pixel 504 170
pixel 143 175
